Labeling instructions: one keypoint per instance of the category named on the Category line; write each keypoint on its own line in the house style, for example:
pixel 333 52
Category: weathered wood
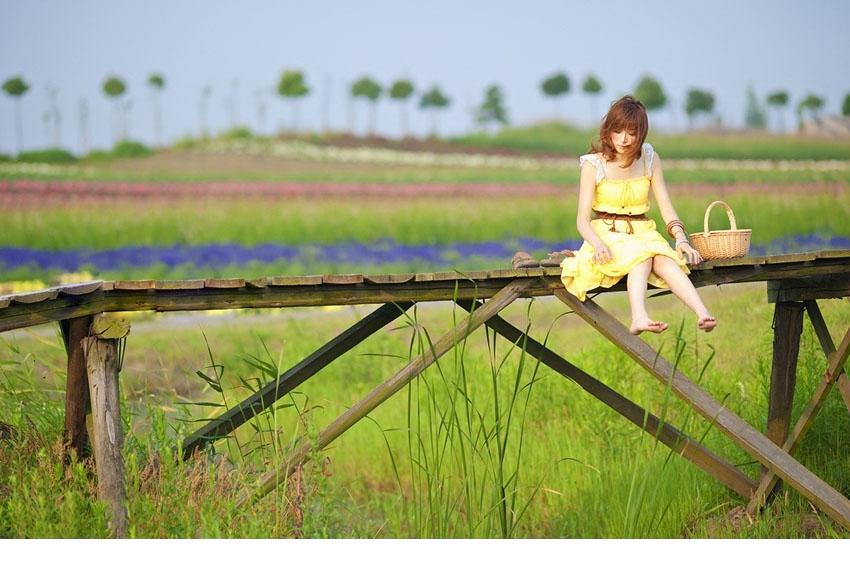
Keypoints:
pixel 292 378
pixel 283 281
pixel 377 396
pixel 224 283
pixel 787 328
pixel 36 296
pixel 77 404
pixel 109 326
pixel 68 307
pixel 342 279
pixel 828 346
pixel 260 282
pixel 5 300
pixel 178 284
pixel 389 278
pixel 834 369
pixel 81 288
pixel 679 442
pixel 760 447
pixel 824 287
pixel 102 366
pixel 133 285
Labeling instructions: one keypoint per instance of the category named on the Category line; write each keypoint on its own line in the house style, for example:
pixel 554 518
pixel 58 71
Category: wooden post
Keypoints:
pixel 788 326
pixel 77 404
pixel 102 363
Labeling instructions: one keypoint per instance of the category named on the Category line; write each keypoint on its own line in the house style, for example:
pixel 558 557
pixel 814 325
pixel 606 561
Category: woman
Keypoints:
pixel 620 240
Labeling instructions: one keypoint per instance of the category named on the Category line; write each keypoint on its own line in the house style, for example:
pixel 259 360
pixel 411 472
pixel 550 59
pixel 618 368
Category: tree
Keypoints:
pixel 400 91
pixel 434 100
pixel 492 110
pixel 367 88
pixel 698 101
pixel 292 86
pixel 845 106
pixel 16 87
pixel 157 82
pixel 592 87
pixel 813 103
pixel 778 100
pixel 555 86
pixel 650 93
pixel 754 115
pixel 114 88
pixel 203 102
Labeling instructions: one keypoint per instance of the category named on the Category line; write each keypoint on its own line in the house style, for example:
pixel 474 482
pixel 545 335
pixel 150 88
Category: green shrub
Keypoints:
pixel 98 155
pixel 130 149
pixel 5 158
pixel 186 143
pixel 236 133
pixel 48 155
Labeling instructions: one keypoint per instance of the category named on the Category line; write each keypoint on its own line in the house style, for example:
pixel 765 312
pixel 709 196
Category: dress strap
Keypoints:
pixel 597 163
pixel 648 153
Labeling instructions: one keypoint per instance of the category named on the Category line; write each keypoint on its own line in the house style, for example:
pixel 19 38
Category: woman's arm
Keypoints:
pixel 587 187
pixel 668 213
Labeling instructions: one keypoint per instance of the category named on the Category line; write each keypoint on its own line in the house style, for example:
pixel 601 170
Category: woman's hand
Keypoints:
pixel 602 255
pixel 690 255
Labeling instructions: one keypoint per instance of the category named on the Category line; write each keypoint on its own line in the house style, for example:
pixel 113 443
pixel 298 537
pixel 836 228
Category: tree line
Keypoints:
pixel 292 87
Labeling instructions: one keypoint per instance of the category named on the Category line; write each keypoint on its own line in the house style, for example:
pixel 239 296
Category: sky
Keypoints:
pixel 241 48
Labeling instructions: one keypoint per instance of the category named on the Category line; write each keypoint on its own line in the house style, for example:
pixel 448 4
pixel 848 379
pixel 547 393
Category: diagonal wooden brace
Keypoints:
pixel 383 392
pixel 828 346
pixel 679 442
pixel 743 434
pixel 836 360
pixel 294 377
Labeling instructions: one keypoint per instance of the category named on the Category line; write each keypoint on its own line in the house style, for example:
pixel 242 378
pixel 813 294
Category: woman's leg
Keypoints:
pixel 667 269
pixel 636 284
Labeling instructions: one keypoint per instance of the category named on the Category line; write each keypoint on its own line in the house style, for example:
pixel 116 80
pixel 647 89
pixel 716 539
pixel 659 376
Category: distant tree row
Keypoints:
pixel 292 87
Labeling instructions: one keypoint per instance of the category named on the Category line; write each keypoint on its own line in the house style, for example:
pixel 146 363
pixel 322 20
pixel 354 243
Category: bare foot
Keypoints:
pixel 706 323
pixel 647 324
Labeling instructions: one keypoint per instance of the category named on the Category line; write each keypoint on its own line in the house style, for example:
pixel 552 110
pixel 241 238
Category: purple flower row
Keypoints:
pixel 369 254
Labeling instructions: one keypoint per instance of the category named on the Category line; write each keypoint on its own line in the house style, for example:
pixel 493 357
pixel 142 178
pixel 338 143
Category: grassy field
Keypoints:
pixel 440 459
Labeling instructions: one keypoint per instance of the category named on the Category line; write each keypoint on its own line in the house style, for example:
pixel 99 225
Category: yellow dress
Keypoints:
pixel 629 246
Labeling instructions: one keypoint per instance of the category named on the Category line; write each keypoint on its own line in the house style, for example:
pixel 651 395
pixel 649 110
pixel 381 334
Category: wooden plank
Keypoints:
pixel 835 369
pixel 81 288
pixel 109 326
pixel 108 286
pixel 102 367
pixel 828 346
pixel 439 276
pixel 792 258
pixel 824 287
pixel 832 254
pixel 38 296
pixel 284 281
pixel 270 393
pixel 257 283
pixel 179 284
pixel 77 404
pixel 304 448
pixel 765 451
pixel 224 283
pixel 505 273
pixel 5 300
pixel 787 329
pixel 133 285
pixel 389 278
pixel 342 279
pixel 679 442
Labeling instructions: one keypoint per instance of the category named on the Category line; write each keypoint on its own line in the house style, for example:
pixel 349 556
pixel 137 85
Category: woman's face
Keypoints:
pixel 623 140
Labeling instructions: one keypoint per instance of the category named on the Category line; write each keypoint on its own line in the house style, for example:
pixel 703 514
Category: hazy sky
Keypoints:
pixel 240 48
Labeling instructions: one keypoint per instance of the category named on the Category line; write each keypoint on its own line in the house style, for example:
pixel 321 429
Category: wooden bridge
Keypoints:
pixel 795 283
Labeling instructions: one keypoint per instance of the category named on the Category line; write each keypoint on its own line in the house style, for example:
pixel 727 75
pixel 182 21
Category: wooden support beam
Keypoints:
pixel 77 404
pixel 828 346
pixel 744 435
pixel 679 442
pixel 102 365
pixel 292 378
pixel 787 329
pixel 377 396
pixel 835 364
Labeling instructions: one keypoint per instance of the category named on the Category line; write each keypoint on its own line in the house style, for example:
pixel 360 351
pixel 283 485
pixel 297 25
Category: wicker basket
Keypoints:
pixel 717 244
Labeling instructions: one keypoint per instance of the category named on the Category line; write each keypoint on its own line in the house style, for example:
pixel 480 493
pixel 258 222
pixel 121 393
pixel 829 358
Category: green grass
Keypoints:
pixel 562 139
pixel 583 470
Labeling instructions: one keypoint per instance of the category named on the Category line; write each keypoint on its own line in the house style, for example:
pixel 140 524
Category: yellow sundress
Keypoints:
pixel 629 246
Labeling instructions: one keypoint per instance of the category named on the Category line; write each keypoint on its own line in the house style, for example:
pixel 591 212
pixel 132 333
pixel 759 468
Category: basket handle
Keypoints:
pixel 729 214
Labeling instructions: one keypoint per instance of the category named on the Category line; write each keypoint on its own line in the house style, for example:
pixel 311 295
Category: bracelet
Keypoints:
pixel 683 241
pixel 673 224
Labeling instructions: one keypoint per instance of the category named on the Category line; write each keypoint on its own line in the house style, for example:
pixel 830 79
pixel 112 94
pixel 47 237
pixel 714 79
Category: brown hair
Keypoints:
pixel 629 114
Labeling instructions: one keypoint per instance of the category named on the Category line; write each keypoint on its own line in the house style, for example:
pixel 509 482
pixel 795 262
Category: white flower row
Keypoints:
pixel 314 152
pixel 43 169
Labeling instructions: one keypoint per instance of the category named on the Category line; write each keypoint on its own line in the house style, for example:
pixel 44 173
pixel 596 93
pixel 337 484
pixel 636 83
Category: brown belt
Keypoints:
pixel 614 217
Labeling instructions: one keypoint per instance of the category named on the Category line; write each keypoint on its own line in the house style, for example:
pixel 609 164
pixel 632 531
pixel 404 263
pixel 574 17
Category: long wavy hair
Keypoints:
pixel 627 113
